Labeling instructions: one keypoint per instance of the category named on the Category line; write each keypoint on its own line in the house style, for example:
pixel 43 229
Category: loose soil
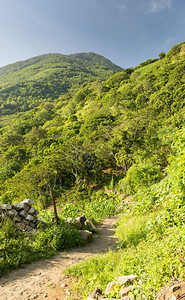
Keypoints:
pixel 45 279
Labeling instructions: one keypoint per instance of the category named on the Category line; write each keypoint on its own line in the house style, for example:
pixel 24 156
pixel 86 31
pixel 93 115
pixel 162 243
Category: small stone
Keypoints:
pixel 34 297
pixel 63 285
pixel 44 224
pixel 68 292
pixel 21 226
pixel 45 295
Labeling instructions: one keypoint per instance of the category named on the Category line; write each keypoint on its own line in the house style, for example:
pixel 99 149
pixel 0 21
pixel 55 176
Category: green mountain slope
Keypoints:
pixel 25 84
pixel 123 123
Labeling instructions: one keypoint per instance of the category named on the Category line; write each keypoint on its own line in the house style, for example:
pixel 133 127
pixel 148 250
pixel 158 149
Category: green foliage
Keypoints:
pixel 140 176
pixel 17 248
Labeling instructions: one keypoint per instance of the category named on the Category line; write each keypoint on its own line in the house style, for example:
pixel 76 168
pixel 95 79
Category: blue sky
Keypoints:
pixel 125 31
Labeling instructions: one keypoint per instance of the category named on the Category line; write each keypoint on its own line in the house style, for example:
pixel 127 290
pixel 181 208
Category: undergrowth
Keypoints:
pixel 17 248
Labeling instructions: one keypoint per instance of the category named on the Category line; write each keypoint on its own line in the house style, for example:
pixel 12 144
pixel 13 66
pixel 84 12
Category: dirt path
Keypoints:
pixel 44 279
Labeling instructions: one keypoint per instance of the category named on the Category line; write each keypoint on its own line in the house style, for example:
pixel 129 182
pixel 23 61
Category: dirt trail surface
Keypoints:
pixel 44 279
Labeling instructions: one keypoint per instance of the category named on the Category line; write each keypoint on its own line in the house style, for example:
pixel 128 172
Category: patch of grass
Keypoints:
pixel 155 262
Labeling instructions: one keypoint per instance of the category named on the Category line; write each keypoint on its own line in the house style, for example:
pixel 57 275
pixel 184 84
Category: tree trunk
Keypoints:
pixel 54 204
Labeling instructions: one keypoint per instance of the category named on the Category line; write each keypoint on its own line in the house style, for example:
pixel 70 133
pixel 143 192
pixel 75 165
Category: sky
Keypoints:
pixel 127 32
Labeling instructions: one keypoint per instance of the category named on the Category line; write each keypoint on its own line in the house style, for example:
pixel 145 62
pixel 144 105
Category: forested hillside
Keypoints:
pixel 124 123
pixel 25 84
pixel 125 133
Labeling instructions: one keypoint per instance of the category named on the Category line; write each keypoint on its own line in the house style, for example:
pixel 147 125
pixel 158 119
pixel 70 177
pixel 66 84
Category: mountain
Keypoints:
pixel 115 124
pixel 25 84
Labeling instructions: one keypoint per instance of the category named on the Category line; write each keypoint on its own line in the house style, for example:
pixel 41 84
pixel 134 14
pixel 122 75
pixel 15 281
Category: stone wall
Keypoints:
pixel 23 214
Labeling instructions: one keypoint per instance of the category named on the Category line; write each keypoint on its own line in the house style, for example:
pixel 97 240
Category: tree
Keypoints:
pixel 162 55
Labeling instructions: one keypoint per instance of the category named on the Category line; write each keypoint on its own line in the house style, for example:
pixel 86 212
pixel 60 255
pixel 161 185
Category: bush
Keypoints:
pixel 17 248
pixel 140 176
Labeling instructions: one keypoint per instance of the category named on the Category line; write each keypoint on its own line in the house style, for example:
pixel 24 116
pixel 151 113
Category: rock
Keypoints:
pixel 68 292
pixel 33 297
pixel 176 291
pixel 18 212
pixel 95 294
pixel 45 295
pixel 121 281
pixel 23 213
pixel 81 219
pixel 70 220
pixel 28 201
pixel 63 285
pixel 19 206
pixel 36 212
pixel 86 235
pixel 17 219
pixel 12 213
pixel 126 290
pixel 110 287
pixel 31 211
pixel 32 225
pixel 21 226
pixel 6 206
pixel 91 226
pixel 127 279
pixel 27 222
pixel 28 228
pixel 26 207
pixel 29 217
pixel 76 222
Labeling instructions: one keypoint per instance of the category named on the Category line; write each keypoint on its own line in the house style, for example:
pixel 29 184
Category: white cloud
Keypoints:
pixel 158 5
